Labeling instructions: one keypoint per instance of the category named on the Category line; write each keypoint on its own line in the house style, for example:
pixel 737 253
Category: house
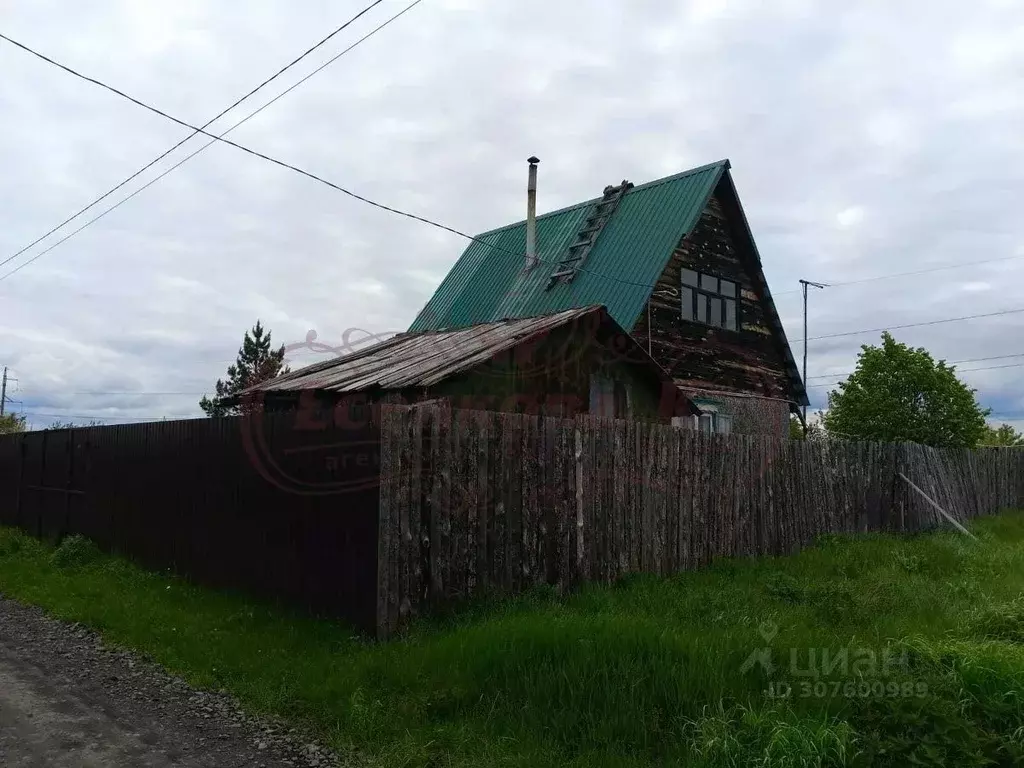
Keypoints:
pixel 575 361
pixel 674 262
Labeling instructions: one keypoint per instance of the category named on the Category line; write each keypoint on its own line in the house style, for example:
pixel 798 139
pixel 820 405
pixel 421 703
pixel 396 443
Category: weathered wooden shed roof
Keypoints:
pixel 426 358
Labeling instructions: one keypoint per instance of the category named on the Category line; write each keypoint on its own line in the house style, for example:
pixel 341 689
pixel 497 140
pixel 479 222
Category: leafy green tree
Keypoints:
pixel 1004 435
pixel 796 429
pixel 12 423
pixel 901 394
pixel 257 362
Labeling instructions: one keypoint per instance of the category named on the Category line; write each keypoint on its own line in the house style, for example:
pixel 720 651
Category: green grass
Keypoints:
pixel 648 672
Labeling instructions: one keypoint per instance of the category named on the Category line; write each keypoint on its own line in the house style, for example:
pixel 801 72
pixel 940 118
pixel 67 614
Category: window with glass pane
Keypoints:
pixel 715 312
pixel 711 420
pixel 686 300
pixel 709 300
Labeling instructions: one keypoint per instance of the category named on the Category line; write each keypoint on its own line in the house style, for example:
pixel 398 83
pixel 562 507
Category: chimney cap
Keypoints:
pixel 533 159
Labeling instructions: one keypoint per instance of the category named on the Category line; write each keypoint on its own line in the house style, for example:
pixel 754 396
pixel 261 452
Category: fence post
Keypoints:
pixel 41 506
pixel 897 472
pixel 551 497
pixel 385 514
pixel 22 450
pixel 578 446
pixel 68 484
pixel 896 506
pixel 426 470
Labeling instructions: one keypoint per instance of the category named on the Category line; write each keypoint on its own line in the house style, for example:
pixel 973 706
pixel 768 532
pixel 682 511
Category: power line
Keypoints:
pixel 909 274
pixel 139 392
pixel 96 417
pixel 835 376
pixel 245 149
pixel 187 138
pixel 288 166
pixel 948 362
pixel 416 217
pixel 916 325
pixel 966 370
pixel 406 214
pixel 188 157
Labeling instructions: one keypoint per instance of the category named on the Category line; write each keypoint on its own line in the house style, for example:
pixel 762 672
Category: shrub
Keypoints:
pixel 75 551
pixel 10 543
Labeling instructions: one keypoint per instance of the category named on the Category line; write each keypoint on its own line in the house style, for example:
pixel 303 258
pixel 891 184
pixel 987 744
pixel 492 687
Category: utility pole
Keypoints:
pixel 803 287
pixel 3 392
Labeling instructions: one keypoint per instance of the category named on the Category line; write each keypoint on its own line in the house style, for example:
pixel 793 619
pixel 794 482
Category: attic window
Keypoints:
pixel 709 300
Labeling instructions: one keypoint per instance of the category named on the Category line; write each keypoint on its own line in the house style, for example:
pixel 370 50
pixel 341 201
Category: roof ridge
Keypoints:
pixel 416 362
pixel 319 366
pixel 636 188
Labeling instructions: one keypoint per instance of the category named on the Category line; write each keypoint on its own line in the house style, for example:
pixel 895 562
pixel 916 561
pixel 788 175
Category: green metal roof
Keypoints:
pixel 489 283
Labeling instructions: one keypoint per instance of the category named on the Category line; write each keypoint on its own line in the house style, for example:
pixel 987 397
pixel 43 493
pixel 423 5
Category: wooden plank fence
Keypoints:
pixel 475 503
pixel 258 503
pixel 467 503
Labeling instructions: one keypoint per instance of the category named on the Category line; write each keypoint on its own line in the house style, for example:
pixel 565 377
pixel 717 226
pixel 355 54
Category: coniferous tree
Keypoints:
pixel 257 362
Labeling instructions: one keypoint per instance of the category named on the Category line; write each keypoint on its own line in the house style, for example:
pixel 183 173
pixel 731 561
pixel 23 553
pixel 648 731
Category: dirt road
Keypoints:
pixel 68 702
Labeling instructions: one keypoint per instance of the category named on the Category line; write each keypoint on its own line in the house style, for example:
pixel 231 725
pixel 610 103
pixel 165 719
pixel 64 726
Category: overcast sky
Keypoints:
pixel 866 139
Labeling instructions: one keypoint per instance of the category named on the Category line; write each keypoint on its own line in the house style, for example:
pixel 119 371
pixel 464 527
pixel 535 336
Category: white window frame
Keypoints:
pixel 710 421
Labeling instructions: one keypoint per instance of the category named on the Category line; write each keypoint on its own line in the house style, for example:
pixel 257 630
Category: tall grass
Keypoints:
pixel 647 672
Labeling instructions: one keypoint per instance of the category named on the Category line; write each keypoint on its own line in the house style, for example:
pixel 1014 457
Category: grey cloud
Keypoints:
pixel 911 118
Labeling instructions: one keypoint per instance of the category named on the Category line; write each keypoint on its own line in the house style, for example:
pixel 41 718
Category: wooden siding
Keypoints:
pixel 548 375
pixel 750 415
pixel 701 357
pixel 552 377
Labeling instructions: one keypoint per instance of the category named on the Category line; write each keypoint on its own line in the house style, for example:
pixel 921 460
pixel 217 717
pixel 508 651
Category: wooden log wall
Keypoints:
pixel 750 415
pixel 475 503
pixel 699 356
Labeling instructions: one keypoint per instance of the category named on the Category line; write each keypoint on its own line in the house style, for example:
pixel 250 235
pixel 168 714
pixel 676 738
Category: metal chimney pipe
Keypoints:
pixel 531 214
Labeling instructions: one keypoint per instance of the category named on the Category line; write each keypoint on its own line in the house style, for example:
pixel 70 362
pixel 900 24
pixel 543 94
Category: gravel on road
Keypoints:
pixel 66 699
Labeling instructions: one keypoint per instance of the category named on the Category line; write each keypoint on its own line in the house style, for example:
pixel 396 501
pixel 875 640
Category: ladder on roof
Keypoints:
pixel 595 222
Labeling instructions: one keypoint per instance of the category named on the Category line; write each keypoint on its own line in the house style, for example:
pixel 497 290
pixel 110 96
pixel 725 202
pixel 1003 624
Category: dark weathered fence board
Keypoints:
pixel 516 500
pixel 252 504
